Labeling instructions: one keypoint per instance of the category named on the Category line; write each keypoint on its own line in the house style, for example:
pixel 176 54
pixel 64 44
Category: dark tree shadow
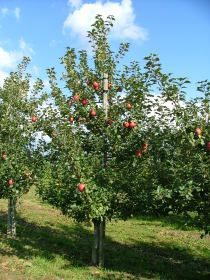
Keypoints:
pixel 74 244
pixel 180 222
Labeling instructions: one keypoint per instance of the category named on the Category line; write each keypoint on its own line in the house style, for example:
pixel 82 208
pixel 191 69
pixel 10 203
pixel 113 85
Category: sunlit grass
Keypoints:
pixel 51 246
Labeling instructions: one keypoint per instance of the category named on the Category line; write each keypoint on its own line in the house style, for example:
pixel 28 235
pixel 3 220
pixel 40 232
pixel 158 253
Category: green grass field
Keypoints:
pixel 50 246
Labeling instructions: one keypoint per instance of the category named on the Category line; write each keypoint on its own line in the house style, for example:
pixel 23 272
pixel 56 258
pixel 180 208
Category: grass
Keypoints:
pixel 50 246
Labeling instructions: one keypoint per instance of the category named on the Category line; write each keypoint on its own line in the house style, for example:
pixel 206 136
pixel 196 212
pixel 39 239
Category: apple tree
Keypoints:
pixel 107 132
pixel 173 144
pixel 20 119
pixel 93 126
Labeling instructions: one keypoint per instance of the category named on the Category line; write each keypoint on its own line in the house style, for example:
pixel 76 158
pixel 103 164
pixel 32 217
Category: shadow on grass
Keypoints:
pixel 74 244
pixel 179 222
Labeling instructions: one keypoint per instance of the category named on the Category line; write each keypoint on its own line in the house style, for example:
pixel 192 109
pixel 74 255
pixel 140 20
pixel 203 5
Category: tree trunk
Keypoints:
pixel 95 249
pixel 98 243
pixel 101 243
pixel 99 225
pixel 11 224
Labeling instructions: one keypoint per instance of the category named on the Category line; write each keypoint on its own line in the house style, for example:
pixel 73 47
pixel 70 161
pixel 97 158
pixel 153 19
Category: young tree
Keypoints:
pixel 20 119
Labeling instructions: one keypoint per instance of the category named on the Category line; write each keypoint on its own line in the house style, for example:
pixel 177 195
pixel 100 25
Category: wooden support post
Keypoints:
pixel 99 225
pixel 103 222
pixel 105 95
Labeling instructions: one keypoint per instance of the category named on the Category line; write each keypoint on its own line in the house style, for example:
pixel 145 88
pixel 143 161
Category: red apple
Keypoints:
pixel 126 124
pixel 208 146
pixel 198 131
pixel 119 89
pixel 92 113
pixel 138 153
pixel 96 88
pixel 84 101
pixel 4 156
pixel 33 119
pixel 11 182
pixel 81 187
pixel 69 102
pixel 76 97
pixel 27 175
pixel 71 119
pixel 132 124
pixel 96 84
pixel 110 122
pixel 88 82
pixel 128 106
pixel 145 147
pixel 109 86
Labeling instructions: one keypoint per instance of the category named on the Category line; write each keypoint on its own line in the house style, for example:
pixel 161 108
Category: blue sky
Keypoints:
pixel 177 30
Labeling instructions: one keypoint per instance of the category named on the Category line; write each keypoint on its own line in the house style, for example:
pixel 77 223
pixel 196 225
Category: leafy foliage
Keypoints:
pixel 142 157
pixel 19 115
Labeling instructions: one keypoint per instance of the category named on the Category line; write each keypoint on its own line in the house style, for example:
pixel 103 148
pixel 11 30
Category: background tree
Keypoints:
pixel 20 119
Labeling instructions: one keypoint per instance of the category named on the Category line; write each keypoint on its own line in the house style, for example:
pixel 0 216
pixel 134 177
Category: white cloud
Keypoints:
pixel 3 11
pixel 80 20
pixel 9 59
pixel 25 48
pixel 75 3
pixel 17 13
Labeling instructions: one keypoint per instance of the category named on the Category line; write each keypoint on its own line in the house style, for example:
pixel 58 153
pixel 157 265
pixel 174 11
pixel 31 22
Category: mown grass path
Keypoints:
pixel 50 246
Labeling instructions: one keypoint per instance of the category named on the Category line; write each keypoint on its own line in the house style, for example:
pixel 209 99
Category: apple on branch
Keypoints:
pixel 126 124
pixel 76 97
pixel 81 187
pixel 84 102
pixel 4 156
pixel 138 153
pixel 33 119
pixel 132 124
pixel 11 182
pixel 198 131
pixel 92 113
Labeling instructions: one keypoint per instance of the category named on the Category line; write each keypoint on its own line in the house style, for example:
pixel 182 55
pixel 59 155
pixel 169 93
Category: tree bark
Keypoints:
pixel 11 224
pixel 95 249
pixel 98 243
pixel 101 243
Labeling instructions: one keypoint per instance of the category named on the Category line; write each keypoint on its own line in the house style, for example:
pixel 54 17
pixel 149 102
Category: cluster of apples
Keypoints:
pixel 85 102
pixel 96 85
pixel 139 152
pixel 131 124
